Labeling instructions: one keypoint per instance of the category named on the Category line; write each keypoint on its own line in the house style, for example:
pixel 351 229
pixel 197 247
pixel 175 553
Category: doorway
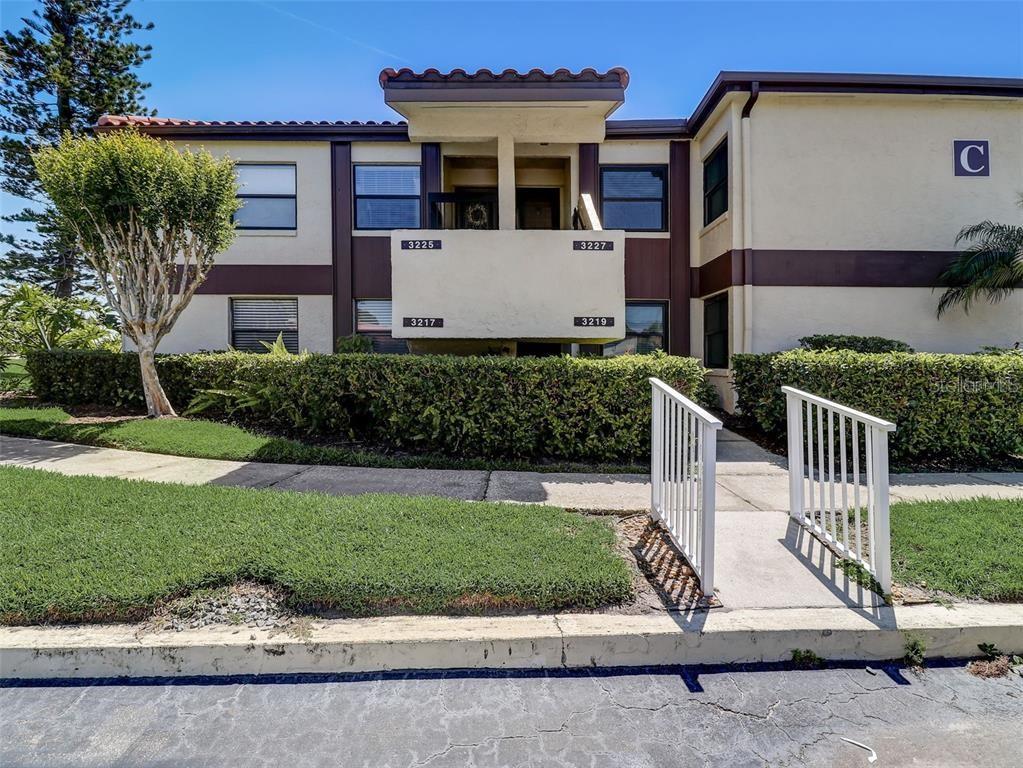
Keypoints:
pixel 538 207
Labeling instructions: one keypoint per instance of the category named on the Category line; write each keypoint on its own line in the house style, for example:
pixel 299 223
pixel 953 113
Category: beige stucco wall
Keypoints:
pixel 310 243
pixel 205 325
pixel 783 315
pixel 501 284
pixel 876 172
pixel 710 241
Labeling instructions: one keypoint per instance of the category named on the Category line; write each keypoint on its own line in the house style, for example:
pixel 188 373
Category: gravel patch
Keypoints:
pixel 243 605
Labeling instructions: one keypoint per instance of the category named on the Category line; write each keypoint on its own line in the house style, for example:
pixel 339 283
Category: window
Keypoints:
pixel 387 197
pixel 715 331
pixel 715 183
pixel 263 320
pixel 267 193
pixel 634 197
pixel 373 320
pixel 645 324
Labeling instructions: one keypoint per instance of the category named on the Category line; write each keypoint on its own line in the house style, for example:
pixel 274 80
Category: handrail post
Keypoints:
pixel 794 414
pixel 708 435
pixel 656 448
pixel 881 557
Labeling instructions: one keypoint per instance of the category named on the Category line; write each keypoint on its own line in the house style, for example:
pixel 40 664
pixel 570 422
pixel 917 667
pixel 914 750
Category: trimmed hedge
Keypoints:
pixel 961 407
pixel 568 408
pixel 823 341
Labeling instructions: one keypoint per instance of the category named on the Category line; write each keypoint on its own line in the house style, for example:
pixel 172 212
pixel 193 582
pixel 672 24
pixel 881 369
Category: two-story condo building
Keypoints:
pixel 509 214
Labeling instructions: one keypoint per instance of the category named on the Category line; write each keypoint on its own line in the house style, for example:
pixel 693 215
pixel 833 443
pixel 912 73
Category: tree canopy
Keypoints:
pixel 71 62
pixel 150 220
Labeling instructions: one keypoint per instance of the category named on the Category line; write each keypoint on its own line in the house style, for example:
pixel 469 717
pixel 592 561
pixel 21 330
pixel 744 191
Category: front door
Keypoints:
pixel 538 207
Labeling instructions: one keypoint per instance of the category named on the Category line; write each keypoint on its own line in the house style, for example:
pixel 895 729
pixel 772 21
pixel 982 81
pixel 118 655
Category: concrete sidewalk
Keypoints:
pixel 750 478
pixel 763 558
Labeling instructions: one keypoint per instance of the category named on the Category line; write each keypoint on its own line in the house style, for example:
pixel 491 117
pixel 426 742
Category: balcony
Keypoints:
pixel 554 285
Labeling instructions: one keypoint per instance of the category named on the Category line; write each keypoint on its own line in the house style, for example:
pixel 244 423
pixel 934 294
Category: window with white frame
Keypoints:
pixel 386 196
pixel 258 322
pixel 268 195
pixel 373 320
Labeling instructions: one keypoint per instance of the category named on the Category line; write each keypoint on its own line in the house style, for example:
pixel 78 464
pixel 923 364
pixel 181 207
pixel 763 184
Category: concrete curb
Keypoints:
pixel 516 642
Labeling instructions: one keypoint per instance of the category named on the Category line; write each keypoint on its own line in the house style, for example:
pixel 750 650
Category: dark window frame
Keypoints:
pixel 721 150
pixel 663 305
pixel 716 299
pixel 371 335
pixel 292 197
pixel 662 168
pixel 230 318
pixel 356 197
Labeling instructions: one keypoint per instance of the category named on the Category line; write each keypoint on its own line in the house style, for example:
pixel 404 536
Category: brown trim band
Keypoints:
pixel 269 279
pixel 430 169
pixel 679 277
pixel 341 248
pixel 589 171
pixel 853 269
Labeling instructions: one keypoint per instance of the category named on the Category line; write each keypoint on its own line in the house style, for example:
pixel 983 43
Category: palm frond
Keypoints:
pixel 990 267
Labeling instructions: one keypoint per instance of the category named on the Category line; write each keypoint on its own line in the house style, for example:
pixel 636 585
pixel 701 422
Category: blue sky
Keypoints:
pixel 319 60
pixel 275 59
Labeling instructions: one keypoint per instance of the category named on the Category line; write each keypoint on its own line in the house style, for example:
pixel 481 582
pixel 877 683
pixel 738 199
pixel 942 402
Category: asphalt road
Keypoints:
pixel 663 717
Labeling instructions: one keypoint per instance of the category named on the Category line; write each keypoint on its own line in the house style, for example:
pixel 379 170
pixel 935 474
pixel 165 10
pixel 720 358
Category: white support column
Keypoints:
pixel 506 182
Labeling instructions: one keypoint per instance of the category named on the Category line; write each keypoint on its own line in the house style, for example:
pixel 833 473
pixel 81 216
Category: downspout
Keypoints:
pixel 747 219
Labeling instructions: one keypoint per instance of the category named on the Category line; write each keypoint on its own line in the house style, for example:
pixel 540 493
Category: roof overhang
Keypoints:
pixel 532 107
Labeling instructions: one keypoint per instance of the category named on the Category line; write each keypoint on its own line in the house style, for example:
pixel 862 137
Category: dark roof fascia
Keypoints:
pixel 646 129
pixel 274 132
pixel 817 82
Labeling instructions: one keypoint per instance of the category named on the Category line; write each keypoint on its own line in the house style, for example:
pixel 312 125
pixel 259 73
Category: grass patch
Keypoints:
pixel 81 549
pixel 201 439
pixel 968 548
pixel 14 377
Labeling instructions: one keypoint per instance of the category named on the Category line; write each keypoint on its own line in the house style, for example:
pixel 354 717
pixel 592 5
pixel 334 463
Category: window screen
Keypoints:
pixel 645 324
pixel 634 197
pixel 373 320
pixel 268 197
pixel 715 332
pixel 715 184
pixel 262 320
pixel 386 196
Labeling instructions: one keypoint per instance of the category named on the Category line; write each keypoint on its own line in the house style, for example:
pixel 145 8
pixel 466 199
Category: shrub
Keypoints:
pixel 822 341
pixel 354 343
pixel 964 407
pixel 570 408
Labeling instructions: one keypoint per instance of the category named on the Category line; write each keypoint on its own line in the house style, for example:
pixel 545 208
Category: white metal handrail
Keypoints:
pixel 683 451
pixel 820 480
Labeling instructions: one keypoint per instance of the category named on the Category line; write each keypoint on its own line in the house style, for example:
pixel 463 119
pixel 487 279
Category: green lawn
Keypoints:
pixel 213 440
pixel 971 548
pixel 94 549
pixel 14 377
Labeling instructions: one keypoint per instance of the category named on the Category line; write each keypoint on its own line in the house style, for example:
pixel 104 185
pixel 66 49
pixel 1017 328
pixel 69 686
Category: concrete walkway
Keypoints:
pixel 763 559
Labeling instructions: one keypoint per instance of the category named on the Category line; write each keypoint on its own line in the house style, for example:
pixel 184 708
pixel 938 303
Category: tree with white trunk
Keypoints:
pixel 150 219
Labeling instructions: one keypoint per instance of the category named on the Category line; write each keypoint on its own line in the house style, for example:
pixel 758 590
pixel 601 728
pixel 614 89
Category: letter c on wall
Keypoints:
pixel 971 158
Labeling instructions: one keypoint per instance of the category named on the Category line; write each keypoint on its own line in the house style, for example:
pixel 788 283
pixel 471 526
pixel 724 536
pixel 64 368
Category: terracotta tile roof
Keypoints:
pixel 120 121
pixel 615 75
